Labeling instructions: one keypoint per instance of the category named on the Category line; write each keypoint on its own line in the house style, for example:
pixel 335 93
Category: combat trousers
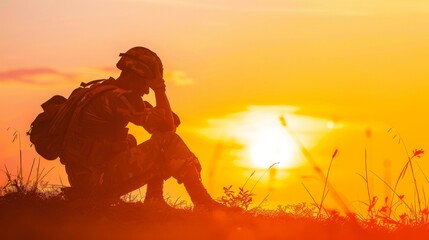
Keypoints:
pixel 164 155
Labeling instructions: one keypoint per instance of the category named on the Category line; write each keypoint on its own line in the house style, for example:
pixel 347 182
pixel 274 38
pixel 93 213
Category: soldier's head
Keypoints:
pixel 140 63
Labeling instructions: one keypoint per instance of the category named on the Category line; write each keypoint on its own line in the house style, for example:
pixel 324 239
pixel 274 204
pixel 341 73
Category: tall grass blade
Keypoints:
pixel 313 163
pixel 326 182
pixel 312 198
pixel 31 170
pixel 263 200
pixel 393 190
pixel 263 174
pixel 247 180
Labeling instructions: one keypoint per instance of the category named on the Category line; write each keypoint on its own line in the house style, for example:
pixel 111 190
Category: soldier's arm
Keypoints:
pixel 133 109
pixel 162 103
pixel 154 119
pixel 157 84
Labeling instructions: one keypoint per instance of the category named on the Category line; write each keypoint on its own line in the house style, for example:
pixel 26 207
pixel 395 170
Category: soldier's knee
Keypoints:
pixel 168 139
pixel 187 171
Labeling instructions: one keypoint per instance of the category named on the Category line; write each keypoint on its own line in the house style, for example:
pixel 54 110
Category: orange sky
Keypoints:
pixel 356 64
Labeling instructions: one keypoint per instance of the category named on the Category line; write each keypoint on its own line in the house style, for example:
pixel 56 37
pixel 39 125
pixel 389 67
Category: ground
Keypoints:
pixel 40 217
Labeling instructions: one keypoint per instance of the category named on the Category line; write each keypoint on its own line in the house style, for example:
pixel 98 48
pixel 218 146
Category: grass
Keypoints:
pixel 54 218
pixel 31 209
pixel 387 215
pixel 33 183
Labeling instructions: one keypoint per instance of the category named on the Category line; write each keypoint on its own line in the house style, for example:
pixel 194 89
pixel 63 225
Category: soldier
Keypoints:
pixel 103 161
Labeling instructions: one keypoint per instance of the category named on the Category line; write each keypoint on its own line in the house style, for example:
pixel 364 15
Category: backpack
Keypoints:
pixel 49 130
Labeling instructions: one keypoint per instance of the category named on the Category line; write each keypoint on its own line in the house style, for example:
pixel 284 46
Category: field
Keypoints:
pixel 29 211
pixel 38 216
pixel 32 209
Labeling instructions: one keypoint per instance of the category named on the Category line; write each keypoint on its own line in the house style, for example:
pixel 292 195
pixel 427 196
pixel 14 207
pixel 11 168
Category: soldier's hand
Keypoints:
pixel 157 82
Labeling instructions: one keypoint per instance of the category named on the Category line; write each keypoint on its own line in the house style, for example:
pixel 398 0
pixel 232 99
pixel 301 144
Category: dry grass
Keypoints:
pixel 37 217
pixel 30 209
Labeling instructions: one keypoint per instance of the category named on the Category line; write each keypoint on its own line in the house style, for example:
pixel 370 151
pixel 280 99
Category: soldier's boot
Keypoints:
pixel 154 194
pixel 199 195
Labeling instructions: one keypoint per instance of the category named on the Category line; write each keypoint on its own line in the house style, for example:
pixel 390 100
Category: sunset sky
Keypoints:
pixel 341 73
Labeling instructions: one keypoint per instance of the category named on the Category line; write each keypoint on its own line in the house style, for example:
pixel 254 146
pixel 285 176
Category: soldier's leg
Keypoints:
pixel 139 165
pixel 154 194
pixel 183 165
pixel 131 169
pixel 154 190
pixel 145 163
pixel 163 156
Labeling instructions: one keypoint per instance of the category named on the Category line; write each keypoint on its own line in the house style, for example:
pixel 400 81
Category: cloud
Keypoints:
pixel 35 76
pixel 178 78
pixel 46 76
pixel 50 76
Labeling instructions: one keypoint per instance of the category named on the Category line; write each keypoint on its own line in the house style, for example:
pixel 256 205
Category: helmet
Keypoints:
pixel 141 61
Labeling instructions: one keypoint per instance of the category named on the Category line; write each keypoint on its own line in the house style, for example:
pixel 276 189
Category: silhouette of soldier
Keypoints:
pixel 103 161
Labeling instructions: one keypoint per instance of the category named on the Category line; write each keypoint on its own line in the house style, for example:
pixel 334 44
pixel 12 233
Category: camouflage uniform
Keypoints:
pixel 102 159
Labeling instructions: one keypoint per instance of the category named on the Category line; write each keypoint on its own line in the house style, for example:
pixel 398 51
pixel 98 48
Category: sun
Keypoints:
pixel 262 137
pixel 268 143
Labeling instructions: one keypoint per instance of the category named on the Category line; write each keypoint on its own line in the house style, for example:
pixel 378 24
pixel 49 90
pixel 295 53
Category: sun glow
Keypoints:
pixel 264 138
pixel 269 144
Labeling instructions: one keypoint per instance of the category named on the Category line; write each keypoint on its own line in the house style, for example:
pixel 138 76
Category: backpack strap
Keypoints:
pixel 84 100
pixel 84 85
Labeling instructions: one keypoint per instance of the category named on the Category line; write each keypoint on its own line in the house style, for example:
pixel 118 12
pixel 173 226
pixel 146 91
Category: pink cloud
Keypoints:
pixel 35 76
pixel 48 76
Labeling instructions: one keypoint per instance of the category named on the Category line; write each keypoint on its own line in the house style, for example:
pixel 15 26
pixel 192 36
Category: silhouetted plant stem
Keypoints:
pixel 371 203
pixel 263 174
pixel 326 182
pixel 31 170
pixel 17 136
pixel 312 162
pixel 247 180
pixel 314 200
pixel 393 191
pixel 416 153
pixel 415 186
pixel 263 200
